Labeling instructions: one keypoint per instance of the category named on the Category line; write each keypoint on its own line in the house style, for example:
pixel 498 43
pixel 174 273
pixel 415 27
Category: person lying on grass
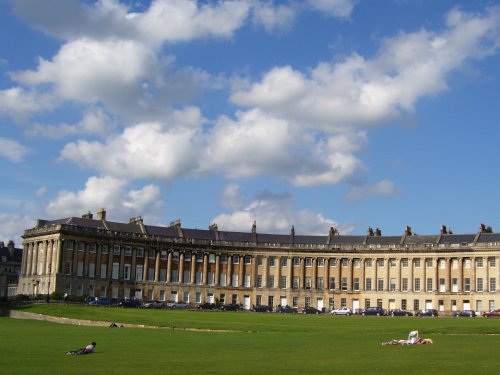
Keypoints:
pixel 87 350
pixel 413 339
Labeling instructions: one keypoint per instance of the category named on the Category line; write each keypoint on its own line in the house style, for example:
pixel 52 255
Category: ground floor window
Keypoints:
pixel 453 305
pixel 270 301
pixel 114 292
pixel 258 300
pixel 479 305
pixel 234 299
pixel 367 303
pixel 403 304
pixel 162 295
pixel 308 301
pixel 186 297
pixel 331 303
pixel 343 302
pixel 416 304
pixel 222 298
pixel 491 305
pixel 295 301
pixel 198 297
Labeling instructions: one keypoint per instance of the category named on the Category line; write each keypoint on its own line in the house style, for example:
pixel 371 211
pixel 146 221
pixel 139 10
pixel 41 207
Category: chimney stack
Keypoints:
pixel 101 214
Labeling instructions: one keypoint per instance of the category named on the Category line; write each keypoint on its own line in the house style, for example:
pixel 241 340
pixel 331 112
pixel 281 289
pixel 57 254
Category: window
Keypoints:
pixel 247 281
pixel 116 249
pixel 81 246
pixel 380 263
pixel 79 268
pixel 491 305
pixel 163 275
pixel 187 256
pixel 428 262
pixel 70 245
pixel 128 251
pixel 283 282
pixel 67 268
pixel 115 269
pixel 417 284
pixel 91 269
pixel 197 297
pixel 479 284
pixel 259 281
pixel 222 298
pixel 404 262
pixel 186 296
pixel 272 261
pixel 93 247
pixel 104 249
pixel 454 285
pixel 442 263
pixel 127 269
pixel 392 285
pixel 442 286
pixel 270 281
pixel 140 252
pixel 379 303
pixel 284 262
pixel 175 256
pixel 344 283
pixel 199 257
pixel 333 262
pixel 321 262
pixel 270 301
pixel 185 277
pixel 295 302
pixel 417 263
pixel 174 276
pixel 248 259
pixel 308 282
pixel 479 262
pixel 211 278
pixel 454 263
pixel 258 299
pixel 416 304
pixel 211 258
pixel 479 305
pixel 222 279
pixel 343 302
pixel 368 284
pixel 467 284
pixel 493 284
pixel 198 277
pixel 223 259
pixel 235 280
pixel 307 301
pixel 320 284
pixel 345 262
pixel 236 259
pixel 356 263
pixel 368 262
pixel 260 261
pixel 492 261
pixel 104 268
pixel 403 304
pixel 331 283
pixel 331 303
pixel 356 283
pixel 296 261
pixel 151 274
pixel 392 262
pixel 163 255
pixel 404 284
pixel 380 284
pixel 309 262
pixel 467 262
pixel 429 284
pixel 296 282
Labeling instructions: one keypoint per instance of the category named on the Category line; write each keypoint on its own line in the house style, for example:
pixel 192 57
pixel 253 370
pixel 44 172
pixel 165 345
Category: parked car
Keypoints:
pixel 286 310
pixel 427 312
pixel 492 313
pixel 207 306
pixel 130 303
pixel 399 312
pixel 231 307
pixel 178 305
pixel 378 311
pixel 100 301
pixel 341 311
pixel 262 308
pixel 153 305
pixel 466 313
pixel 311 310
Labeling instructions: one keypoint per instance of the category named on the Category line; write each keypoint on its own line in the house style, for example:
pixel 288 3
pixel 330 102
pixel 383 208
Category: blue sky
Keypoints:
pixel 312 113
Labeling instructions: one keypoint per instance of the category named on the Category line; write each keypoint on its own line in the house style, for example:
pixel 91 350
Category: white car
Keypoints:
pixel 341 311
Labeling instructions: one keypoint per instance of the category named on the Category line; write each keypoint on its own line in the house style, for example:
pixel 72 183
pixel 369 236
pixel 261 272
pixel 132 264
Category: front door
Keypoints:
pixel 355 305
pixel 246 302
pixel 283 301
pixel 319 303
pixel 138 294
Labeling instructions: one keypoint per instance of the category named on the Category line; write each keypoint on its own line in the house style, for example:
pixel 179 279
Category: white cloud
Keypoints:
pixel 94 121
pixel 383 188
pixel 337 8
pixel 13 150
pixel 273 17
pixel 12 225
pixel 19 103
pixel 274 213
pixel 108 192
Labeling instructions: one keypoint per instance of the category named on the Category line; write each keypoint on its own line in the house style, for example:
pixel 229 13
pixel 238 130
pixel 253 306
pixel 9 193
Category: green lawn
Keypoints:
pixel 251 344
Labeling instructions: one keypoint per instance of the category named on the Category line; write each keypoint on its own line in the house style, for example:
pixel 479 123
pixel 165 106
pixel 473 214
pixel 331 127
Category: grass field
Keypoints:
pixel 245 343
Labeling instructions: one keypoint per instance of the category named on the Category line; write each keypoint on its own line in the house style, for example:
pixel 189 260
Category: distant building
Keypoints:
pixel 84 256
pixel 10 269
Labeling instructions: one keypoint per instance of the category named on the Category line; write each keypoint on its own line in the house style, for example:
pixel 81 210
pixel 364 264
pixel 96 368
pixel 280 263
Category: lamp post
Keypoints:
pixel 48 285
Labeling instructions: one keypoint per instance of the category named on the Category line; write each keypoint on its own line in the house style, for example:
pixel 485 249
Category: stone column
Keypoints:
pixel 411 282
pixel 181 267
pixel 193 268
pixel 473 274
pixel 447 281
pixel 205 269
pixel 387 274
pixel 169 266
pixel 302 276
pixel 45 249
pixel 229 273
pixel 265 276
pixel 60 250
pixel 217 269
pixel 460 278
pixel 362 280
pixel 34 265
pixel 157 265
pixel 240 277
pixel 314 273
pixel 338 281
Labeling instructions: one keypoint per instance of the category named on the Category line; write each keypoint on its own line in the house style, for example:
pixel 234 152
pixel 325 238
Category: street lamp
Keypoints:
pixel 48 286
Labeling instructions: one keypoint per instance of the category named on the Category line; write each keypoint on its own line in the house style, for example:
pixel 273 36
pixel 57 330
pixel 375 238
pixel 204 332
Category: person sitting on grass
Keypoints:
pixel 413 339
pixel 87 350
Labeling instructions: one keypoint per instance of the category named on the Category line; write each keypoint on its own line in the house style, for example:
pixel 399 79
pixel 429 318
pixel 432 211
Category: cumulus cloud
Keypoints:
pixel 13 150
pixel 106 192
pixel 337 8
pixel 12 224
pixel 273 17
pixel 383 188
pixel 359 92
pixel 19 103
pixel 274 213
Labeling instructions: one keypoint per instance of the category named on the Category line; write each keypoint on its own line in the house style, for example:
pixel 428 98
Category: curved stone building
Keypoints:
pixel 87 256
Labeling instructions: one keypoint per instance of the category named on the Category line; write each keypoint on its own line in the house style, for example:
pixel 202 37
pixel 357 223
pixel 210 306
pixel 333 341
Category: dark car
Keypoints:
pixel 207 306
pixel 153 305
pixel 311 310
pixel 286 310
pixel 427 312
pixel 231 307
pixel 378 311
pixel 100 301
pixel 399 312
pixel 263 308
pixel 466 314
pixel 130 303
pixel 492 314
